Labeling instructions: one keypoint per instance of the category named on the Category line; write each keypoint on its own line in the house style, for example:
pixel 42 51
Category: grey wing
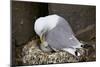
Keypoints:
pixel 60 37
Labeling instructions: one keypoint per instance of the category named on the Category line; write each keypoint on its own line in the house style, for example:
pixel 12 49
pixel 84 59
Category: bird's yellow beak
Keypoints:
pixel 42 38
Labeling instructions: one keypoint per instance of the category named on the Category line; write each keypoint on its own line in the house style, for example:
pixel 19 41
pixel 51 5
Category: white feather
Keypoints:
pixel 47 22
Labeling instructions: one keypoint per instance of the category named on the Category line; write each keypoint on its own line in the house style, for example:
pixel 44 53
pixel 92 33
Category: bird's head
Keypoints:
pixel 41 28
pixel 45 24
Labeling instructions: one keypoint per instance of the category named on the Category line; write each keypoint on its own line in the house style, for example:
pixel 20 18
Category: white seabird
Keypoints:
pixel 56 34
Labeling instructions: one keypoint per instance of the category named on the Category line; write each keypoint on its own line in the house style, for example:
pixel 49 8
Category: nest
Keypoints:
pixel 30 54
